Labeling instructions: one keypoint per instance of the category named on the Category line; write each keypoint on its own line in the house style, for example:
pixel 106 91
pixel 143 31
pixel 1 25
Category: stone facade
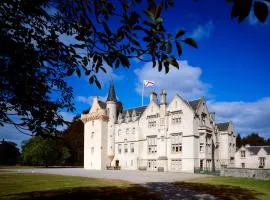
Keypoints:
pixel 253 157
pixel 178 135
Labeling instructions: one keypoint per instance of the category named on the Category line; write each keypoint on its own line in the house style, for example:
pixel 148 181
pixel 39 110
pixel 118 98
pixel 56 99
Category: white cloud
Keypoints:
pixel 83 99
pixel 247 116
pixel 203 31
pixel 185 81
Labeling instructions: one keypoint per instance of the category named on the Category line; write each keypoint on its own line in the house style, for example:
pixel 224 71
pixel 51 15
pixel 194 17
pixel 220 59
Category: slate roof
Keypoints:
pixel 194 104
pixel 256 149
pixel 223 126
pixel 111 94
pixel 102 104
pixel 138 110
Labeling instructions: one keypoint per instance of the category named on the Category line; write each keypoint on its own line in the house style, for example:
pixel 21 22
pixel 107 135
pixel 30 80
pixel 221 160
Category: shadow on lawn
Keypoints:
pixel 155 191
pixel 82 193
pixel 224 192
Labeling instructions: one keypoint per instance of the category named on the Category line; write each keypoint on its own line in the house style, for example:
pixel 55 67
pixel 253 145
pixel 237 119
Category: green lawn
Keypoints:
pixel 231 187
pixel 44 186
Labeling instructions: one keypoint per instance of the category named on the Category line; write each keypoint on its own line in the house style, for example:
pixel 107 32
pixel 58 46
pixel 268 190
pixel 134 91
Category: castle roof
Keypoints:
pixel 194 104
pixel 111 94
pixel 223 126
pixel 138 110
pixel 255 149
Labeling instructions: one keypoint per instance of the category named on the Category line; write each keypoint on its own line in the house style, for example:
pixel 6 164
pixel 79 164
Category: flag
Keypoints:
pixel 148 83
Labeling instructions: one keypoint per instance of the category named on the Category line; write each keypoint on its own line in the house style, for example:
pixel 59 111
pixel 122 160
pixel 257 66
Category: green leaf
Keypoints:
pixel 98 84
pixel 179 33
pixel 78 71
pixel 159 20
pixel 159 65
pixel 149 14
pixel 175 63
pixel 167 68
pixel 91 80
pixel 190 42
pixel 179 48
pixel 169 47
pixel 261 11
pixel 70 71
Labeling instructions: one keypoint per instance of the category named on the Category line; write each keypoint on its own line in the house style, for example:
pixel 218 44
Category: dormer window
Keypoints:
pixel 243 154
pixel 203 118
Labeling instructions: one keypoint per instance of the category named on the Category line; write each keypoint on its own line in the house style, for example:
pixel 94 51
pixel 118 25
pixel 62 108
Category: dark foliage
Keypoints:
pixel 253 139
pixel 39 151
pixel 9 153
pixel 241 9
pixel 73 137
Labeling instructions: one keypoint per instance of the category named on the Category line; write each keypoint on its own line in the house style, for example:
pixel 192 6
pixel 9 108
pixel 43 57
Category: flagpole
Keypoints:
pixel 142 92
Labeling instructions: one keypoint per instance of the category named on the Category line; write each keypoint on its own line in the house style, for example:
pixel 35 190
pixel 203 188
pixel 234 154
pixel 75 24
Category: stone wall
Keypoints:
pixel 263 174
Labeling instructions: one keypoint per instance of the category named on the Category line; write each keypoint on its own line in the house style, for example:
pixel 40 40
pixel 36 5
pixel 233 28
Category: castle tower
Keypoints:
pixel 111 106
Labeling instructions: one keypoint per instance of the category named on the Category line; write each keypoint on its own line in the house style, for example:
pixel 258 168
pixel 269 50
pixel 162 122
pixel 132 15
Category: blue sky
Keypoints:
pixel 231 69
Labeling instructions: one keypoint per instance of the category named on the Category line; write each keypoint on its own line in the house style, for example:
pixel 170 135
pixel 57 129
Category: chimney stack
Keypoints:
pixel 163 95
pixel 153 97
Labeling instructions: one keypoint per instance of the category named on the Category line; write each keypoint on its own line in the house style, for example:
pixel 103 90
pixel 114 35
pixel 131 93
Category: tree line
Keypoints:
pixel 65 149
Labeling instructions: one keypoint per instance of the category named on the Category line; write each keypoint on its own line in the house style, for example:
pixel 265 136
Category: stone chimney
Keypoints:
pixel 153 97
pixel 163 95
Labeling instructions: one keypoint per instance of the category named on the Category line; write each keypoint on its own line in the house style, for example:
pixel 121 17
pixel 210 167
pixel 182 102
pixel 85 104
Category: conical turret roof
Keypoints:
pixel 111 94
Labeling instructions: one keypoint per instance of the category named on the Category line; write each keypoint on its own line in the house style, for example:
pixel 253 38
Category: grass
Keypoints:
pixel 49 187
pixel 230 187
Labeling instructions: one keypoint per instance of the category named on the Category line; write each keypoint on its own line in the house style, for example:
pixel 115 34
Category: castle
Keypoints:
pixel 178 135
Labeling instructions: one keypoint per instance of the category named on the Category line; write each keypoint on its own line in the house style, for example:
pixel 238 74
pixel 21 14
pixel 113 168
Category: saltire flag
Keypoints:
pixel 148 83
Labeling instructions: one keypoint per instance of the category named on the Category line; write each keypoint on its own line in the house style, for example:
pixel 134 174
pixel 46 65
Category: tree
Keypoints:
pixel 44 151
pixel 238 141
pixel 35 60
pixel 253 139
pixel 9 153
pixel 73 138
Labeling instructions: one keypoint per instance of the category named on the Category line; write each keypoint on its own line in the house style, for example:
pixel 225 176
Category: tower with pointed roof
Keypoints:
pixel 111 106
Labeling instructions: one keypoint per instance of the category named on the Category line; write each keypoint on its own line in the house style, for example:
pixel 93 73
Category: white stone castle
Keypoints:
pixel 178 135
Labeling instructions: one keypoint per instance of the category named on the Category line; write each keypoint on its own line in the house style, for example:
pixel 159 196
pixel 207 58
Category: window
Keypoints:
pixel 243 154
pixel 262 162
pixel 132 147
pixel 201 147
pixel 119 132
pixel 127 131
pixel 126 148
pixel 201 164
pixel 131 163
pixel 151 123
pixel 93 123
pixel 176 165
pixel 243 165
pixel 176 142
pixel 176 119
pixel 133 130
pixel 92 150
pixel 92 134
pixel 203 116
pixel 152 144
pixel 119 148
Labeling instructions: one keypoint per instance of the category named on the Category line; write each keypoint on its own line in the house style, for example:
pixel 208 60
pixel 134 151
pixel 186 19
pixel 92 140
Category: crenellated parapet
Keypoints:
pixel 100 114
